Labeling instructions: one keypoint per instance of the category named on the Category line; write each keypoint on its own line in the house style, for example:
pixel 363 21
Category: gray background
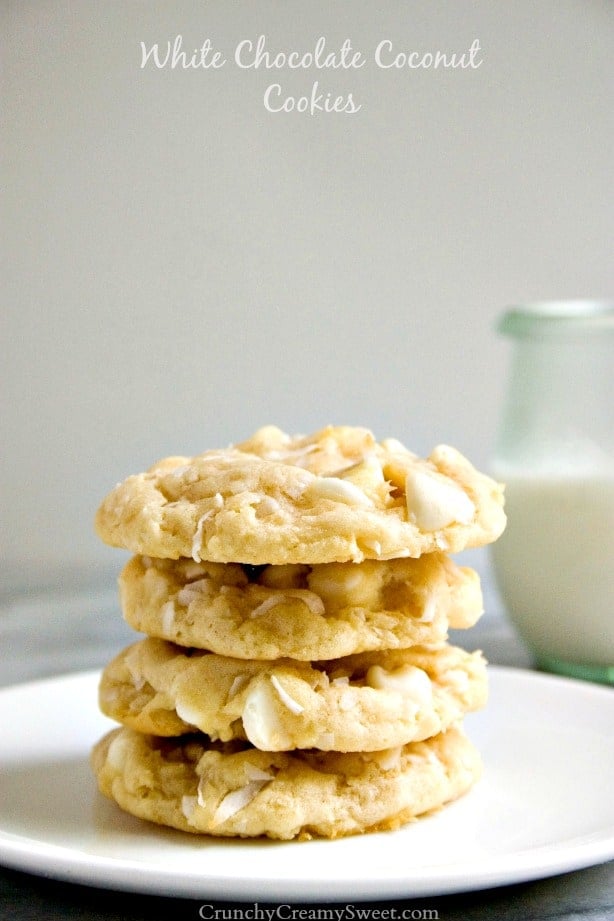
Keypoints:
pixel 182 266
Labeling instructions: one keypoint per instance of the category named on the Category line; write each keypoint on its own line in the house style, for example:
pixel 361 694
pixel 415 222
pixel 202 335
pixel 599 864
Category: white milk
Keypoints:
pixel 555 563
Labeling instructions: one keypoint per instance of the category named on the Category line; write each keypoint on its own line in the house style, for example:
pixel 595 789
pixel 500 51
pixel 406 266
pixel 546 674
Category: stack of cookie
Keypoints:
pixel 296 594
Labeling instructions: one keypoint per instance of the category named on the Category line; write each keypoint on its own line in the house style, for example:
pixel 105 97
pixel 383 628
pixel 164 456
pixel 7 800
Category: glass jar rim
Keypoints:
pixel 548 316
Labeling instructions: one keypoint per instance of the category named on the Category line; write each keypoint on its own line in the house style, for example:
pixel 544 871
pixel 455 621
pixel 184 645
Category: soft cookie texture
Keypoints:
pixel 300 612
pixel 359 703
pixel 229 789
pixel 334 496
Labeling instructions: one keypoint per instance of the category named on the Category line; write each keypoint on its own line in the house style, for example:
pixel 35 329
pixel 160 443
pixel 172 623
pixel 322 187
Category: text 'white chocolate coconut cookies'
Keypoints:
pixel 296 593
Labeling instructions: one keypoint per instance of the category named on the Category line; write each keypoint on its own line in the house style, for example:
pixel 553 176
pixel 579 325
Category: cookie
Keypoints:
pixel 334 496
pixel 360 703
pixel 300 612
pixel 229 789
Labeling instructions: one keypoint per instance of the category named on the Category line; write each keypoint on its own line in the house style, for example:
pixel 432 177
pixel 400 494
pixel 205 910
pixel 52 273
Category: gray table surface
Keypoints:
pixel 58 631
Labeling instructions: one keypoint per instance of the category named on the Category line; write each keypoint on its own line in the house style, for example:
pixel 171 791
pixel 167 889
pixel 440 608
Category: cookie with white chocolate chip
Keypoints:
pixel 359 703
pixel 334 496
pixel 234 790
pixel 298 611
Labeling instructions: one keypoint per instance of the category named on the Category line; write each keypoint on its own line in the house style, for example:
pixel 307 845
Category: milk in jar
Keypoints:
pixel 555 561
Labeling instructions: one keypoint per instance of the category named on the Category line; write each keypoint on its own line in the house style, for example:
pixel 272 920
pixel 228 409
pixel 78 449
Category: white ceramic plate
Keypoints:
pixel 544 806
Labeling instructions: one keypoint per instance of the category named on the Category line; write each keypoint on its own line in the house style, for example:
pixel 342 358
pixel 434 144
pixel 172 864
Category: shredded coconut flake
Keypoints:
pixel 253 772
pixel 422 754
pixel 388 759
pixel 190 592
pixel 136 674
pixel 197 541
pixel 168 617
pixel 342 681
pixel 188 805
pixel 296 488
pixel 236 800
pixel 297 452
pixel 428 612
pixel 268 506
pixel 432 758
pixel 271 602
pixel 288 701
pixel 238 682
pixel 313 601
pixel 339 491
pixel 178 472
pixel 192 570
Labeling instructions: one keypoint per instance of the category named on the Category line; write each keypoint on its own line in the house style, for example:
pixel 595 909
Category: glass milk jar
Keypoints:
pixel 555 452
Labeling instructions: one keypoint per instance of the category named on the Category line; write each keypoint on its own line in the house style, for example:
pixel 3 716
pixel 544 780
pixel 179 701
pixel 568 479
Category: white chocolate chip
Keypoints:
pixel 408 680
pixel 434 501
pixel 261 721
pixel 336 585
